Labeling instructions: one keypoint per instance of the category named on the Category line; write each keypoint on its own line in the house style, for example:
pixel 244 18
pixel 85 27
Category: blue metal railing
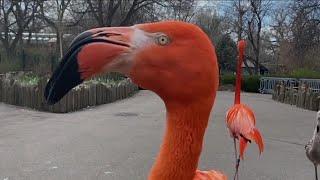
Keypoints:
pixel 312 83
pixel 267 83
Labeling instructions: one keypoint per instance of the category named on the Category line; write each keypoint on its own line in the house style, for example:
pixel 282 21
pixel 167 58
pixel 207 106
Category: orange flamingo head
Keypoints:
pixel 174 59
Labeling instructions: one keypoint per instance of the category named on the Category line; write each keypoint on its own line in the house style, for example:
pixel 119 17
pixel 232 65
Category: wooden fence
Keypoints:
pixel 302 96
pixel 83 96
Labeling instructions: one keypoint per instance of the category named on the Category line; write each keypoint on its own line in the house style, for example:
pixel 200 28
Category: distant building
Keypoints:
pixel 38 38
pixel 263 70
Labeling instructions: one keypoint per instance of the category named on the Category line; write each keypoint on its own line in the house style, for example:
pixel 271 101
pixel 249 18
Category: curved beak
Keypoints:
pixel 92 52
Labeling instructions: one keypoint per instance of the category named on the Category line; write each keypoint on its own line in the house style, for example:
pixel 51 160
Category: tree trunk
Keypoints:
pixel 59 45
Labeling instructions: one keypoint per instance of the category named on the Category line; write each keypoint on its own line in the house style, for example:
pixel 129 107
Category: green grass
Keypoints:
pixel 106 82
pixel 28 79
pixel 300 73
pixel 305 73
pixel 32 79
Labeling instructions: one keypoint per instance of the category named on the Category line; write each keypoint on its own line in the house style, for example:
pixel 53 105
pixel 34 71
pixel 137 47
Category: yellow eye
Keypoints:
pixel 163 40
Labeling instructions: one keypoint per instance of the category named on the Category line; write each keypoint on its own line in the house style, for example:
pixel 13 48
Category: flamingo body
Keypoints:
pixel 313 147
pixel 241 124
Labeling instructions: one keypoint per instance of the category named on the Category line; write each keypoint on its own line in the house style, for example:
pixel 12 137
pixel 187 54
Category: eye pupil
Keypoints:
pixel 163 40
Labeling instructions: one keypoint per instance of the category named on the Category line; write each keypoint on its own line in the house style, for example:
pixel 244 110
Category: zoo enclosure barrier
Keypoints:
pixel 267 84
pixel 303 96
pixel 83 96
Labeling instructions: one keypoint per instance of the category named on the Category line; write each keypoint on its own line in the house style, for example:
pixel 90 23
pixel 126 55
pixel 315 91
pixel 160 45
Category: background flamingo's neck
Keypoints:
pixel 182 145
pixel 239 74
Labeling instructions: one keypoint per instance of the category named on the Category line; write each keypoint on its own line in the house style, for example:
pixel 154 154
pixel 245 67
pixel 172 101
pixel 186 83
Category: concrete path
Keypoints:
pixel 120 141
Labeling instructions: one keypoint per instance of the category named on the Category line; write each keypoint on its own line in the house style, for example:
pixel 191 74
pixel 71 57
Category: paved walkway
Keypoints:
pixel 120 141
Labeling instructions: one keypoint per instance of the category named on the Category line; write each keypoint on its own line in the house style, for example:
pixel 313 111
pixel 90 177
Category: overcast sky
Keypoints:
pixel 219 6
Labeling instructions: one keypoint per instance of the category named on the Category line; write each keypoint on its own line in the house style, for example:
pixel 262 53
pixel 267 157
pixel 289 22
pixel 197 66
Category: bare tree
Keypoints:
pixel 103 11
pixel 17 15
pixel 280 24
pixel 305 29
pixel 280 32
pixel 258 11
pixel 117 12
pixel 236 13
pixel 241 8
pixel 53 13
pixel 183 10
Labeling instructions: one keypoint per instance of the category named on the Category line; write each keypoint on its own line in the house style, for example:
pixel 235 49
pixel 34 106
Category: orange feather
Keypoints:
pixel 209 175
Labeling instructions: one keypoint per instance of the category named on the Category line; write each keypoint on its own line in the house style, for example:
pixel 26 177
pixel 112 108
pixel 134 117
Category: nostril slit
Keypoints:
pixel 106 34
pixel 318 128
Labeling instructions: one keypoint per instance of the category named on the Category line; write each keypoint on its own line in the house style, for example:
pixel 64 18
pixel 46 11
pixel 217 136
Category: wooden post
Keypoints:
pixel 77 99
pixel 92 95
pixel 28 104
pixel 108 95
pixel 32 96
pixel 287 95
pixel 104 90
pixel 282 93
pixel 63 105
pixel 275 92
pixel 1 86
pixel 126 89
pixel 114 93
pixel 123 94
pixel 87 97
pixel 99 94
pixel 42 102
pixel 314 101
pixel 307 98
pixel 69 97
pixel 117 88
pixel 84 98
pixel 80 98
pixel 36 98
pixel 301 97
pixel 318 102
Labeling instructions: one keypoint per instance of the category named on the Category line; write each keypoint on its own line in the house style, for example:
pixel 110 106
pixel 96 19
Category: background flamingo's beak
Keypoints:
pixel 92 52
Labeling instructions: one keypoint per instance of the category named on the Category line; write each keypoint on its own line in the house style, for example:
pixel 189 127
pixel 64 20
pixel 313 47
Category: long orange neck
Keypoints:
pixel 181 148
pixel 241 46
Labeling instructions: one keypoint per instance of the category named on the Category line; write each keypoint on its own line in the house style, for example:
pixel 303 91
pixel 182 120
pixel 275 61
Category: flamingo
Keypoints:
pixel 174 59
pixel 240 119
pixel 313 147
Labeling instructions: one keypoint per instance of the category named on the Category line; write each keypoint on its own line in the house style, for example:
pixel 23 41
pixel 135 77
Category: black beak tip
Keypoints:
pixel 65 77
pixel 49 98
pixel 67 74
pixel 50 102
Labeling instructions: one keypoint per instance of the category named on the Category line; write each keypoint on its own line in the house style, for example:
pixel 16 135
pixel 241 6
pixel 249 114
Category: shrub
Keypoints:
pixel 7 65
pixel 251 83
pixel 228 79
